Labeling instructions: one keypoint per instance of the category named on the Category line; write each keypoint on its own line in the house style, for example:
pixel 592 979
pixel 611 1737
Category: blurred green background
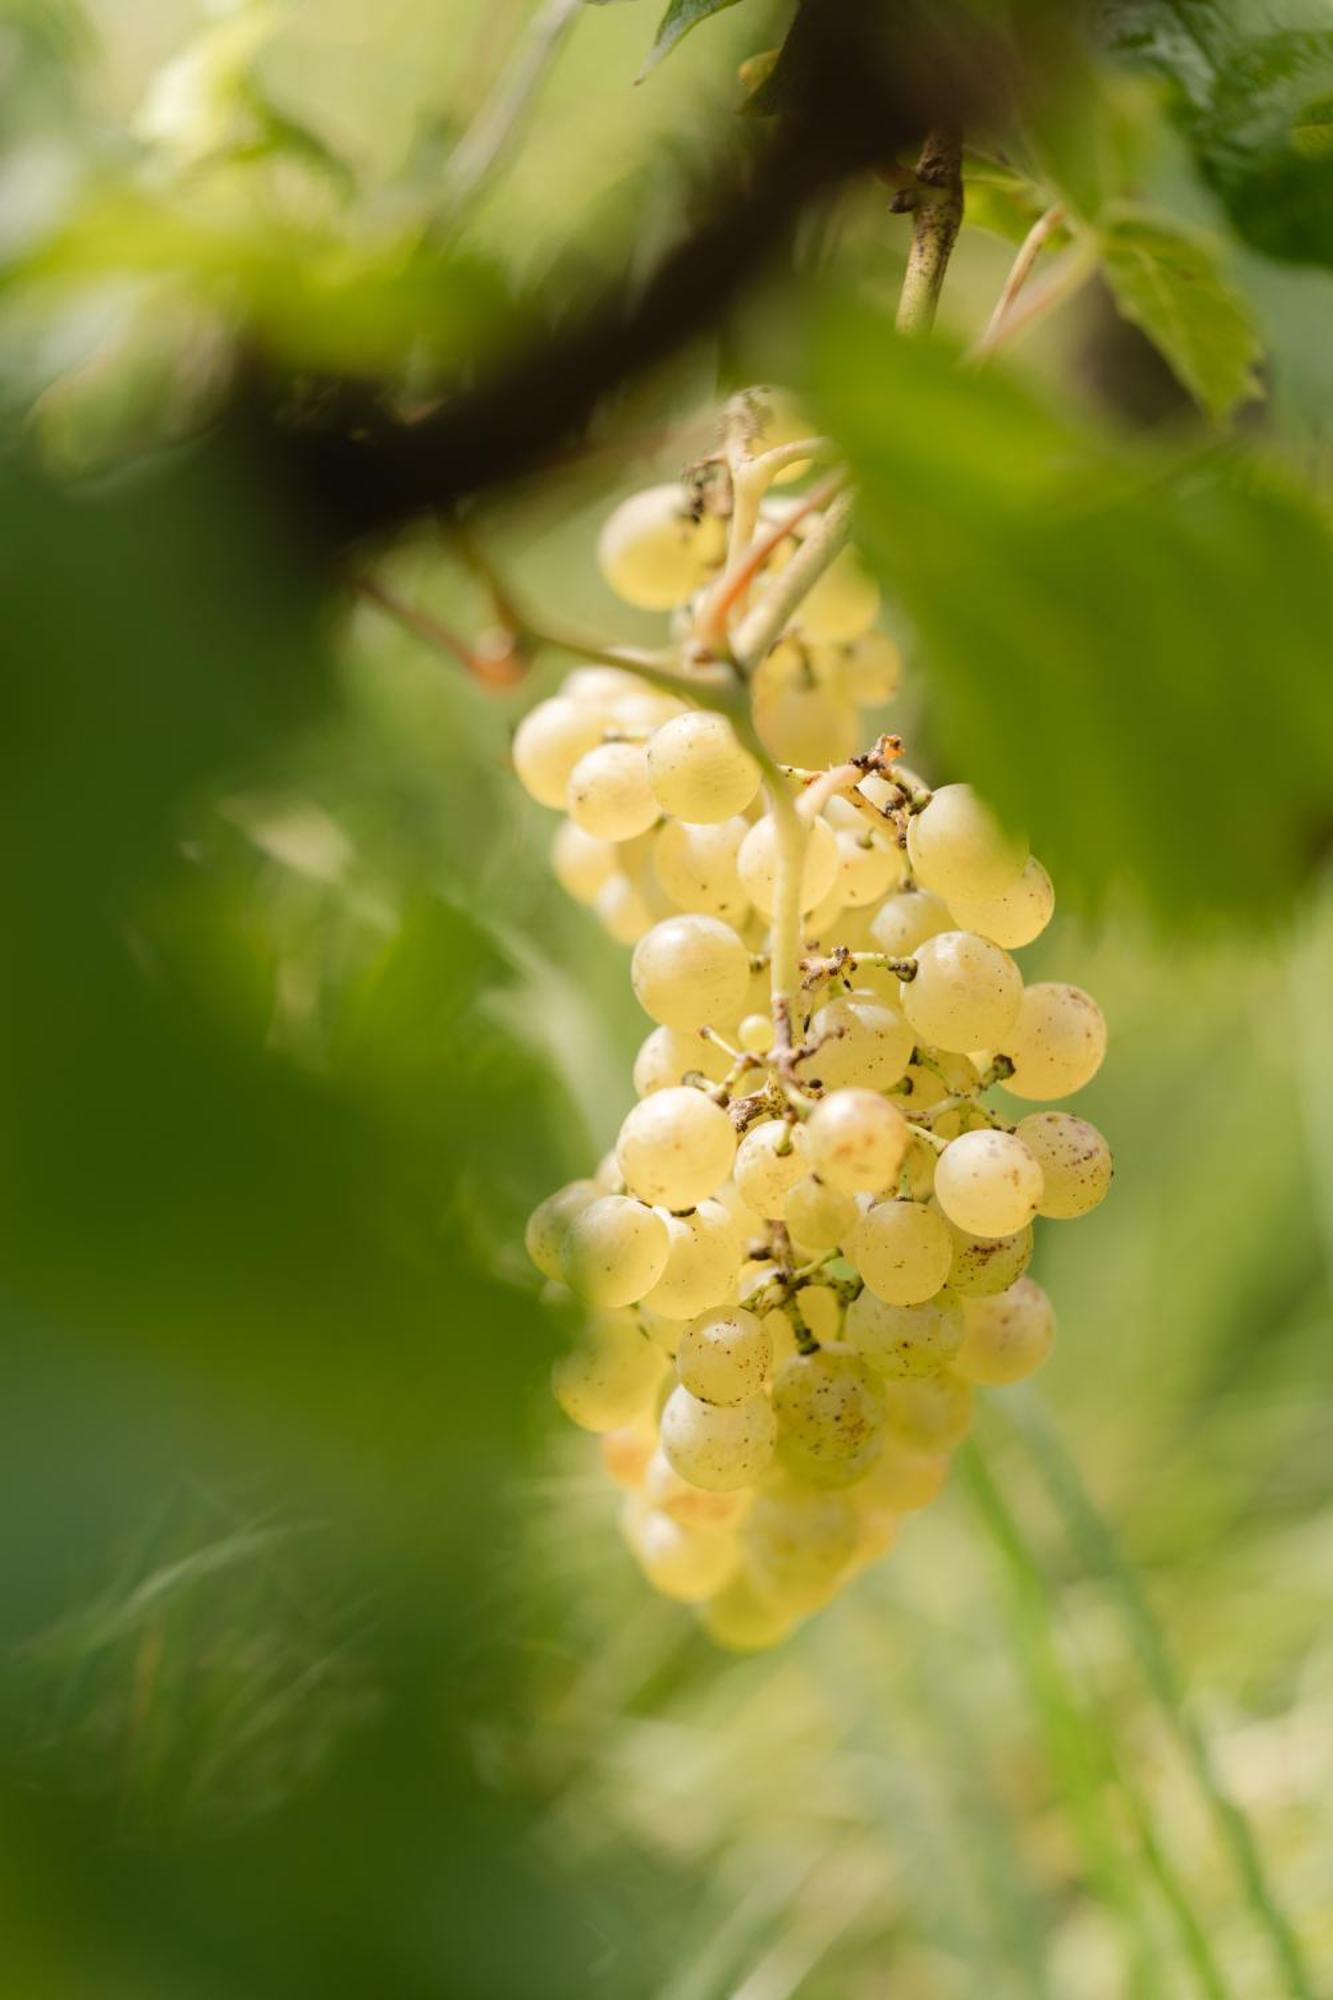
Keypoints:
pixel 324 1671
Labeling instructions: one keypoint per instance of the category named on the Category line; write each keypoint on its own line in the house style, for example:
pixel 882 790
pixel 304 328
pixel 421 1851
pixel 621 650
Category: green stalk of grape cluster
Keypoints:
pixel 809 1246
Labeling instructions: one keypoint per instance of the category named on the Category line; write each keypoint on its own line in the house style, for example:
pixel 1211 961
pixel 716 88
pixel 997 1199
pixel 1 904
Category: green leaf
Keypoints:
pixel 676 23
pixel 1125 647
pixel 1168 282
pixel 1266 144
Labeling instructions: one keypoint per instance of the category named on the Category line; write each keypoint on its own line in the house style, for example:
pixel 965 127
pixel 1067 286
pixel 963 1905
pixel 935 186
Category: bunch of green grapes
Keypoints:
pixel 810 1244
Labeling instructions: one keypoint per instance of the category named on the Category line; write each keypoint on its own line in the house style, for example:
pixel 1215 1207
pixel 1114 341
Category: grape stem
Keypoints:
pixel 1069 276
pixel 484 145
pixel 759 630
pixel 500 669
pixel 1019 272
pixel 745 560
pixel 936 200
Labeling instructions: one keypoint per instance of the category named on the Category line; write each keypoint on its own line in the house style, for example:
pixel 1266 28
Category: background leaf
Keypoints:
pixel 1168 282
pixel 681 16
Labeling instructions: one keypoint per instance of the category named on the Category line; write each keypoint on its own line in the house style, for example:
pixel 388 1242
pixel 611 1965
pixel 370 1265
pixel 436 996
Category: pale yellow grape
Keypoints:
pixel 698 769
pixel 690 971
pixel 703 1257
pixel 899 1341
pixel 609 1378
pixel 860 1042
pixel 622 910
pixel 868 867
pixel 626 1453
pixel 769 1161
pixel 966 992
pixel 652 550
pixel 819 1216
pixel 903 1250
pixel 719 1446
pixel 544 1237
pixel 697 867
pixel 779 419
pixel 646 711
pixel 1017 916
pixel 904 921
pixel 918 1179
pixel 549 742
pixel 608 793
pixel 902 1479
pixel 1008 1336
pixel 615 1250
pixel 742 1621
pixel 821 1309
pixel 1075 1161
pixel 601 687
pixel 582 864
pixel 1057 1043
pixel 797 1544
pixel 750 1226
pixel 664 1488
pixel 948 1074
pixel 982 1265
pixel 842 604
pixel 988 1183
pixel 959 849
pixel 876 1534
pixel 686 1562
pixel 807 726
pixel 666 1055
pixel 725 1356
pixel 779 1326
pixel 608 1176
pixel 824 922
pixel 663 1329
pixel 933 1415
pixel 758 864
pixel 755 1034
pixel 868 668
pixel 675 1147
pixel 830 1412
pixel 855 1140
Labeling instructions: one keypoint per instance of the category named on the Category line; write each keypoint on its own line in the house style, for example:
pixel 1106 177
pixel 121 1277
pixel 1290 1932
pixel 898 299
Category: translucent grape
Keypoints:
pixel 615 1250
pixel 544 1237
pixel 830 1413
pixel 902 1479
pixel 966 993
pixel 626 1453
pixel 676 1147
pixel 868 867
pixel 742 1621
pixel 958 848
pixel 697 867
pixel 622 910
pixel 749 1225
pixel 1008 1336
pixel 703 1257
pixel 608 792
pixel 1075 1161
pixel 860 1042
pixel 797 1543
pixel 842 604
pixel 654 552
pixel 1015 917
pixel 601 687
pixel 719 1446
pixel 821 1309
pixel 819 1216
pixel 581 862
pixel 805 724
pixel 769 1161
pixel 856 1140
pixel 758 864
pixel 664 1488
pixel 645 711
pixel 914 1340
pixel 683 1561
pixel 690 971
pixel 988 1183
pixel 755 1034
pixel 663 1329
pixel 903 1250
pixel 668 1054
pixel 1057 1043
pixel 932 1415
pixel 698 770
pixel 724 1357
pixel 906 920
pixel 609 1378
pixel 869 668
pixel 549 742
pixel 983 1265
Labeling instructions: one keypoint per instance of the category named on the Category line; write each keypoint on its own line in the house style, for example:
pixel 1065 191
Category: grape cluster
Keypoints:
pixel 810 1243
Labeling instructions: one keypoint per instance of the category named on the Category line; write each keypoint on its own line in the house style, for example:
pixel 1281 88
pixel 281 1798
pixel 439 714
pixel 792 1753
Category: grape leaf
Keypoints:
pixel 1126 648
pixel 1167 281
pixel 1266 144
pixel 676 23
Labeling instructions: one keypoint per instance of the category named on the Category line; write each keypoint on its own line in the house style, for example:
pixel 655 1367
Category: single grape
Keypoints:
pixel 805 724
pixel 769 1161
pixel 958 848
pixel 749 1226
pixel 904 921
pixel 698 770
pixel 581 863
pixel 898 1341
pixel 797 1542
pixel 664 1488
pixel 724 1356
pixel 544 1237
pixel 666 1055
pixel 690 971
pixel 697 867
pixel 842 604
pixel 703 1257
pixel 686 1562
pixel 663 1329
pixel 1008 1336
pixel 626 1453
pixel 549 742
pixel 608 1379
pixel 1015 917
pixel 741 1621
pixel 645 711
pixel 755 1034
pixel 855 1140
pixel 902 1250
pixel 1075 1161
pixel 655 550
pixel 966 992
pixel 868 867
pixel 676 1147
pixel 608 793
pixel 932 1415
pixel 821 1309
pixel 719 1446
pixel 859 1042
pixel 622 910
pixel 868 668
pixel 988 1183
pixel 758 863
pixel 601 687
pixel 819 1216
pixel 830 1413
pixel 983 1265
pixel 903 1480
pixel 614 1251
pixel 1057 1044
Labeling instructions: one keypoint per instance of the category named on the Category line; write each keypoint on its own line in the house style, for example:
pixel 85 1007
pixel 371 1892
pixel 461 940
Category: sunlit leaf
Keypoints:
pixel 1168 281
